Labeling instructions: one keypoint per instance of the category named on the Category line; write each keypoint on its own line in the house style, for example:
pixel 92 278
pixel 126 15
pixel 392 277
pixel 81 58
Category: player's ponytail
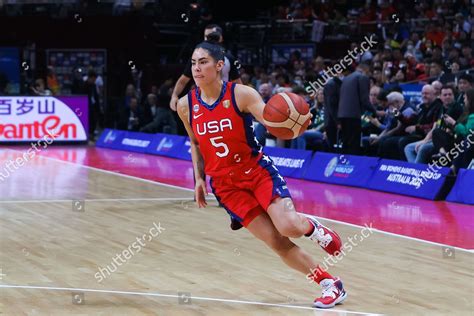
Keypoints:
pixel 215 51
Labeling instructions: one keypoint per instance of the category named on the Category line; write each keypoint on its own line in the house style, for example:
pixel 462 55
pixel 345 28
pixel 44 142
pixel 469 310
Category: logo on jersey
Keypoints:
pixel 213 127
pixel 196 107
pixel 226 104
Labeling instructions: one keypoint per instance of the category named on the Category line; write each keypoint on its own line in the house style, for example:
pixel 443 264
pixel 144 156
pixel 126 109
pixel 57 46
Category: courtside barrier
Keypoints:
pixel 290 162
pixel 124 140
pixel 406 178
pixel 373 173
pixel 166 145
pixel 341 169
pixel 463 189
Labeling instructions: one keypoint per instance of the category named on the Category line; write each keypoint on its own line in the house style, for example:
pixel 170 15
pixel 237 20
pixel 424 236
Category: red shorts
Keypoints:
pixel 245 194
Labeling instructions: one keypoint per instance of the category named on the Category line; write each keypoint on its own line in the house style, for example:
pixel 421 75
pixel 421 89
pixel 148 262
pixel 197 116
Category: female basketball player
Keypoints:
pixel 218 118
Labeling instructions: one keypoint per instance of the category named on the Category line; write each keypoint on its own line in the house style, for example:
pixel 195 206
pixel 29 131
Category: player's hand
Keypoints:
pixel 174 102
pixel 200 192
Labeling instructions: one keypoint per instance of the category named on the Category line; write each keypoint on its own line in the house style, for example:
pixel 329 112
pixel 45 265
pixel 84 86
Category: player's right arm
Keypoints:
pixel 200 190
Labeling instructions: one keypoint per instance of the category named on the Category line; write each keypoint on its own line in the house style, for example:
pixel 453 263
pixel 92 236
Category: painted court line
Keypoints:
pixel 197 298
pixel 110 172
pixel 98 200
pixel 397 235
pixel 177 187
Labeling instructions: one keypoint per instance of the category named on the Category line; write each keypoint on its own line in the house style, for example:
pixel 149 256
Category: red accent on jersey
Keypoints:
pixel 225 134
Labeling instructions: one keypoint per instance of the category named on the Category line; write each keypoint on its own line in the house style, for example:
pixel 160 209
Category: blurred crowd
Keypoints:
pixel 361 109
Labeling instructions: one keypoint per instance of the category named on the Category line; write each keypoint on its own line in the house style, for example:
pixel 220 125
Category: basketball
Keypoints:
pixel 286 115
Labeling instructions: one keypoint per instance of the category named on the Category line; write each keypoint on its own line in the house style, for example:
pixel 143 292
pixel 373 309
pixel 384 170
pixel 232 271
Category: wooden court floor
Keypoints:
pixel 60 223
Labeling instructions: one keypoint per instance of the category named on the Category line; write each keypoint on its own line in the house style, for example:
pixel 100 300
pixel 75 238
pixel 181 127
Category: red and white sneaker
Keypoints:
pixel 333 294
pixel 328 240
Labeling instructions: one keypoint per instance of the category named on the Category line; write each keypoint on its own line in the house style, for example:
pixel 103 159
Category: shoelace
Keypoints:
pixel 329 290
pixel 322 238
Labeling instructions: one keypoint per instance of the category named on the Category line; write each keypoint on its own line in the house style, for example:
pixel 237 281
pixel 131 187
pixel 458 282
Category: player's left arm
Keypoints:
pixel 249 101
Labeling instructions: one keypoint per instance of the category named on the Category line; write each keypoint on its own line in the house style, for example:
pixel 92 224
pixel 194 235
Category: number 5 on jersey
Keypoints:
pixel 215 143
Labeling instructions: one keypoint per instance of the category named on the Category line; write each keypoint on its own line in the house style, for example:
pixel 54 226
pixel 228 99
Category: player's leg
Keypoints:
pixel 293 224
pixel 271 191
pixel 263 228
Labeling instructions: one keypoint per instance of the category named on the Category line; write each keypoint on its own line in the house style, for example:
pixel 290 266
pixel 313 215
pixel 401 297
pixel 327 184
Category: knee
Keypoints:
pixel 410 148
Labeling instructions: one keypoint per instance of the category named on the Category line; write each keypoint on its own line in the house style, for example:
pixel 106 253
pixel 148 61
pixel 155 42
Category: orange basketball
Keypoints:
pixel 286 115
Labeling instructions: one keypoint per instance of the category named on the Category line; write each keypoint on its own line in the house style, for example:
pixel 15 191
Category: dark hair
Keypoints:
pixel 466 77
pixel 445 87
pixel 364 65
pixel 382 96
pixel 468 108
pixel 213 37
pixel 470 98
pixel 298 90
pixel 214 26
pixel 215 51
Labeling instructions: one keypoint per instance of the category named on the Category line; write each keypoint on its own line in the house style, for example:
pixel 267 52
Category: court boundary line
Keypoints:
pixel 198 298
pixel 111 172
pixel 397 235
pixel 98 200
pixel 187 189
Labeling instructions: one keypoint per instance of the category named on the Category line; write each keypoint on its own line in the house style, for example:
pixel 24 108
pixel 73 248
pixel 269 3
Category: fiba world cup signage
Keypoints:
pixel 32 118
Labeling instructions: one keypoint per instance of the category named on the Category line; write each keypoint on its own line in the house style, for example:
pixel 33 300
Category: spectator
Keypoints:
pixel 437 85
pixel 265 91
pixel 371 122
pixel 99 85
pixel 466 60
pixel 399 113
pixel 427 114
pixel 462 24
pixel 163 120
pixel 331 92
pixel 283 84
pixel 131 119
pixel 52 81
pixel 464 132
pixel 246 80
pixel 92 81
pixel 130 92
pixel 354 99
pixel 462 129
pixel 465 83
pixel 39 88
pixel 313 135
pixel 93 98
pixel 421 151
